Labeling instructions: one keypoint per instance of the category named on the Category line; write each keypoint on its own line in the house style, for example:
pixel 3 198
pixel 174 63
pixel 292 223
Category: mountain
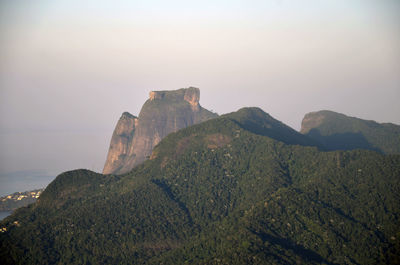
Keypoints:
pixel 164 112
pixel 337 131
pixel 225 191
pixel 257 121
pixel 121 142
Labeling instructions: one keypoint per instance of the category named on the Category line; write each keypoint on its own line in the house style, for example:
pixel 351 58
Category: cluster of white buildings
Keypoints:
pixel 20 196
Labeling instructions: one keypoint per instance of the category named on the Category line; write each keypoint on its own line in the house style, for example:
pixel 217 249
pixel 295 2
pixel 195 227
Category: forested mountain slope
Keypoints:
pixel 220 192
pixel 336 131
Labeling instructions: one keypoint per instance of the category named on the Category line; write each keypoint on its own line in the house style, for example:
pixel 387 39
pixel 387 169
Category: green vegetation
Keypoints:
pixel 220 192
pixel 336 131
pixel 257 121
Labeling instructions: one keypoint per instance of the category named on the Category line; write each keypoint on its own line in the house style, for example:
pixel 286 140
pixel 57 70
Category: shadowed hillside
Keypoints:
pixel 336 131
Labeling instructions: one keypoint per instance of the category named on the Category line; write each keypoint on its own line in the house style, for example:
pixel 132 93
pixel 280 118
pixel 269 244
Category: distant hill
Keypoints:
pixel 164 112
pixel 239 189
pixel 19 199
pixel 337 131
pixel 257 121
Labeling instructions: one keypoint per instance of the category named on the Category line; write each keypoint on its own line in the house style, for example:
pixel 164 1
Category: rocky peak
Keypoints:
pixel 127 115
pixel 192 96
pixel 120 142
pixel 156 95
pixel 312 120
pixel 163 113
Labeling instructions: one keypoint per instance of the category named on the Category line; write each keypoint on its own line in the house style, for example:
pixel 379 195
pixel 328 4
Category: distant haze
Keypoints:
pixel 68 69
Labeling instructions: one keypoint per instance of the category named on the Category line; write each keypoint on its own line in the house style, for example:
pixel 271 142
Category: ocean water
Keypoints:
pixel 4 214
pixel 20 181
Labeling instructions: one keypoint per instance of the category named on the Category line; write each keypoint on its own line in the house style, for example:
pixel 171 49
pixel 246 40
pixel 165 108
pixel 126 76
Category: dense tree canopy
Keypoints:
pixel 218 193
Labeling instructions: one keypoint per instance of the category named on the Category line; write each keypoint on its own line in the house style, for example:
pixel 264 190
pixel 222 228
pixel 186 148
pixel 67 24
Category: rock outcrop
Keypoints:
pixel 336 131
pixel 121 141
pixel 164 112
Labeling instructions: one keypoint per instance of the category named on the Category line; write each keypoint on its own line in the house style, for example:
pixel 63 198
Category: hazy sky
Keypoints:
pixel 68 69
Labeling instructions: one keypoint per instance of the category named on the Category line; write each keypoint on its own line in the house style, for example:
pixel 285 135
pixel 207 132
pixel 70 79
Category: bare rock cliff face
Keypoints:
pixel 163 113
pixel 120 142
pixel 311 120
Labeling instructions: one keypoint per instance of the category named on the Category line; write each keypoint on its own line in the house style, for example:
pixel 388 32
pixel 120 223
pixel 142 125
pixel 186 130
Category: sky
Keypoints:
pixel 68 69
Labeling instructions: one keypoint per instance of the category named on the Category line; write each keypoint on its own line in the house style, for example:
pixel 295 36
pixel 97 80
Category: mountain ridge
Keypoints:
pixel 216 192
pixel 336 131
pixel 257 121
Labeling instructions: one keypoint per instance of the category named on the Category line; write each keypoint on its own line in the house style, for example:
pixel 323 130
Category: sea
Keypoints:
pixel 4 214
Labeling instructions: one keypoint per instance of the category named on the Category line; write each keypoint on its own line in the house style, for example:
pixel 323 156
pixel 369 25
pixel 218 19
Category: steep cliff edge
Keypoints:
pixel 121 141
pixel 163 113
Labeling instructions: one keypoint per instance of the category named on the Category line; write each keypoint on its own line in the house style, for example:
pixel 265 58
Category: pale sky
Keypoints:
pixel 68 69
